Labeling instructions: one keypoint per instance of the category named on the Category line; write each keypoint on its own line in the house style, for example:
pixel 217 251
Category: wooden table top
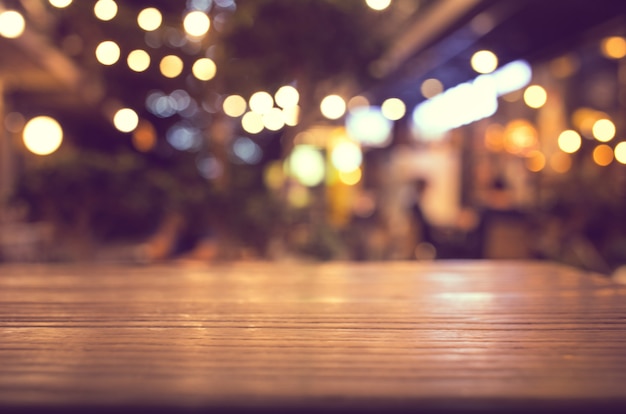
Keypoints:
pixel 459 336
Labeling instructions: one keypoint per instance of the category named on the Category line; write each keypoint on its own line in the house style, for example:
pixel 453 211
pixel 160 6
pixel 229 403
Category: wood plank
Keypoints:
pixel 441 336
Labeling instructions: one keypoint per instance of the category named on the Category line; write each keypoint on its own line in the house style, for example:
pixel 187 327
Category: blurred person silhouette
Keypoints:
pixel 424 243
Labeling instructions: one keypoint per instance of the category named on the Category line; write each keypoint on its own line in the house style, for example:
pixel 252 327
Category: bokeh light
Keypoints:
pixel 60 4
pixel 247 151
pixel 287 96
pixel 252 122
pixel 620 152
pixel 234 105
pixel 204 69
pixel 274 119
pixel 42 135
pixel 378 5
pixel 171 66
pixel 393 109
pixel 569 141
pixel 108 52
pixel 291 116
pixel 535 96
pixel 12 24
pixel 125 120
pixel 196 23
pixel 350 177
pixel 346 156
pixel 261 102
pixel 484 61
pixel 613 47
pixel 535 161
pixel 520 136
pixel 149 19
pixel 138 60
pixel 369 126
pixel 144 136
pixel 560 162
pixel 333 107
pixel 357 102
pixel 105 10
pixel 307 165
pixel 603 130
pixel 431 88
pixel 603 155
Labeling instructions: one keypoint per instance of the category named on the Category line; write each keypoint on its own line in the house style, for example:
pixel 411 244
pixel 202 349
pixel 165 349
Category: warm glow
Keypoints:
pixel 108 52
pixel 350 177
pixel 620 152
pixel 274 176
pixel 569 141
pixel 378 4
pixel 431 88
pixel 614 47
pixel 603 155
pixel 357 102
pixel 171 66
pixel 234 106
pixel 535 96
pixel 138 60
pixel 484 61
pixel 333 107
pixel 196 23
pixel 307 164
pixel 60 4
pixel 105 9
pixel 346 156
pixel 273 119
pixel 603 130
pixel 494 137
pixel 520 136
pixel 42 135
pixel 368 126
pixel 204 69
pixel 291 115
pixel 144 137
pixel 261 102
pixel 560 162
pixel 12 24
pixel 287 97
pixel 149 19
pixel 125 120
pixel 393 109
pixel 535 161
pixel 252 122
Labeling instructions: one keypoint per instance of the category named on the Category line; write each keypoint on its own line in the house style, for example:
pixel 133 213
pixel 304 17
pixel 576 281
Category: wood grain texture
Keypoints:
pixel 441 336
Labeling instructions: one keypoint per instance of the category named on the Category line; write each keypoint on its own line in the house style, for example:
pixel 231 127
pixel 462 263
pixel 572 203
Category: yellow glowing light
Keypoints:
pixel 393 109
pixel 273 119
pixel 108 52
pixel 431 88
pixel 196 23
pixel 105 9
pixel 252 122
pixel 535 96
pixel 378 5
pixel 560 162
pixel 603 155
pixel 350 177
pixel 520 136
pixel 12 24
pixel 138 60
pixel 484 61
pixel 42 135
pixel 535 161
pixel 60 4
pixel 346 156
pixel 126 120
pixel 494 137
pixel 149 19
pixel 291 115
pixel 261 102
pixel 144 136
pixel 287 97
pixel 357 102
pixel 234 106
pixel 274 176
pixel 569 141
pixel 613 47
pixel 620 152
pixel 204 69
pixel 307 164
pixel 564 66
pixel 171 66
pixel 603 130
pixel 333 107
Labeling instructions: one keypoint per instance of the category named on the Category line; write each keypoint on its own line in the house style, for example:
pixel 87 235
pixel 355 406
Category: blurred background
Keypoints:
pixel 211 130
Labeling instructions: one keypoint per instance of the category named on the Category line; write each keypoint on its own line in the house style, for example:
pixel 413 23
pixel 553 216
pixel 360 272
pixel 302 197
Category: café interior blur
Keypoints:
pixel 361 130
